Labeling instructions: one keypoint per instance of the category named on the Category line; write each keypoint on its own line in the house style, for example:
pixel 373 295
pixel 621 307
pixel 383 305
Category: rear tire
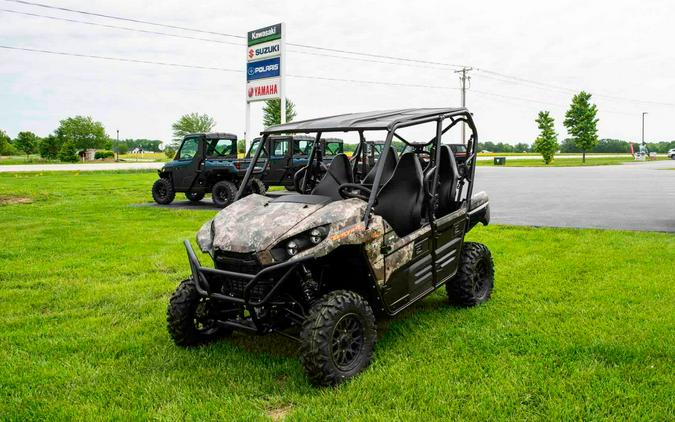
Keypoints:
pixel 258 186
pixel 223 193
pixel 337 338
pixel 474 281
pixel 187 317
pixel 162 191
pixel 194 196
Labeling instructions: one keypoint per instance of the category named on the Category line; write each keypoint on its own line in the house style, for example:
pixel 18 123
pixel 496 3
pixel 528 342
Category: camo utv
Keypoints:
pixel 318 265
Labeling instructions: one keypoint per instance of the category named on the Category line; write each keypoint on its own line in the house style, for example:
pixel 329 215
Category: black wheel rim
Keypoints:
pixel 347 342
pixel 161 191
pixel 222 196
pixel 202 320
pixel 480 279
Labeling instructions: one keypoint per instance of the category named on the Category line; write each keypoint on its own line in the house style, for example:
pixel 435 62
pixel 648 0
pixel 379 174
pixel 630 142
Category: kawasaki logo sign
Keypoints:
pixel 264 34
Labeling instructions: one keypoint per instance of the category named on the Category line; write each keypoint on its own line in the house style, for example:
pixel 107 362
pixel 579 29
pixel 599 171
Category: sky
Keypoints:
pixel 620 51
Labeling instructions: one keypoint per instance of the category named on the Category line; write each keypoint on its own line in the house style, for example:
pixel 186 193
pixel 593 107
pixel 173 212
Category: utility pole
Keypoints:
pixel 464 79
pixel 643 127
pixel 117 145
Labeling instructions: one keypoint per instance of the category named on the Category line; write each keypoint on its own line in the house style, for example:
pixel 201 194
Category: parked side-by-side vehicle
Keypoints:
pixel 208 163
pixel 320 264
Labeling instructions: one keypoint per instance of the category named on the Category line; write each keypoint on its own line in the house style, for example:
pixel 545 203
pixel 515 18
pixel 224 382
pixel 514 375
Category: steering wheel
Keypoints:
pixel 297 180
pixel 354 190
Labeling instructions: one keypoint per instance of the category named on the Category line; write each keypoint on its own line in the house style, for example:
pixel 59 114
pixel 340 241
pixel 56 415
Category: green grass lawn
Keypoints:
pixel 581 325
pixel 23 159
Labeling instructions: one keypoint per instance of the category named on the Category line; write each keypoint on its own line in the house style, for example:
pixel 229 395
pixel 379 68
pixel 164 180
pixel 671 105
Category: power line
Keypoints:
pixel 530 100
pixel 224 34
pixel 145 31
pixel 101 15
pixel 222 69
pixel 125 28
pixel 517 79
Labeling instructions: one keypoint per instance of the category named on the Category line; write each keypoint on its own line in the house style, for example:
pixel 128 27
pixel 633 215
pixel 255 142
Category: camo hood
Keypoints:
pixel 256 223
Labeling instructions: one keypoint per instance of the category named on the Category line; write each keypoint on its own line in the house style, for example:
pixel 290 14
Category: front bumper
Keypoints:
pixel 274 277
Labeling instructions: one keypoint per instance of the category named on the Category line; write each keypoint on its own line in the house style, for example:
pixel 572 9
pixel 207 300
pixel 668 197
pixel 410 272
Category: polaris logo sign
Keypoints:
pixel 269 68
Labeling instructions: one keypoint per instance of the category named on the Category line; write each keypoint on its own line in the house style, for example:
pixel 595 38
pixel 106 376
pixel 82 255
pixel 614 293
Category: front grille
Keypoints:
pixel 238 262
pixel 241 263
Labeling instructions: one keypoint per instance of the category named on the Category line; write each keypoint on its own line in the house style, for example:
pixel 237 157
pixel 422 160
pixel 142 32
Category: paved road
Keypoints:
pixel 635 196
pixel 143 166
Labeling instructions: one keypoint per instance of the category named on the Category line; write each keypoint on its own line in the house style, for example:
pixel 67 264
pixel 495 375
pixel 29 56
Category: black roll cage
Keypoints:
pixel 456 116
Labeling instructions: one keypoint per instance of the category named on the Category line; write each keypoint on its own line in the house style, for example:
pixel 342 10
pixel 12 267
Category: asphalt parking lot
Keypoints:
pixel 635 196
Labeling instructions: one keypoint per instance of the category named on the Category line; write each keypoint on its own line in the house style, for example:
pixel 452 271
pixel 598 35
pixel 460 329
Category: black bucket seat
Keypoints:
pixel 339 172
pixel 399 201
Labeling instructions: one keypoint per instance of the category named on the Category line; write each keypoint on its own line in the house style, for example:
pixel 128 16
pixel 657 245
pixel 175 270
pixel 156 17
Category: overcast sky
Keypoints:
pixel 613 49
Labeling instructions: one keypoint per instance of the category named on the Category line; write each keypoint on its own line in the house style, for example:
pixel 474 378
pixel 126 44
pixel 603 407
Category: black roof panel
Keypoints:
pixel 372 120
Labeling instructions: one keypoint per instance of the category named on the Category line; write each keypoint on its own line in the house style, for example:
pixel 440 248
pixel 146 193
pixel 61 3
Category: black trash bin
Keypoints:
pixel 499 161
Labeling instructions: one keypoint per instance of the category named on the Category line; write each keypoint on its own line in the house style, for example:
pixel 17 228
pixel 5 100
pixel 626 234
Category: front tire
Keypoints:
pixel 474 281
pixel 194 196
pixel 337 338
pixel 223 193
pixel 189 317
pixel 162 191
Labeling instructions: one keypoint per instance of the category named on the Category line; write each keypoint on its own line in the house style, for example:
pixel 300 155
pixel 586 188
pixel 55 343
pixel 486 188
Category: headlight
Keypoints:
pixel 298 243
pixel 317 235
pixel 292 248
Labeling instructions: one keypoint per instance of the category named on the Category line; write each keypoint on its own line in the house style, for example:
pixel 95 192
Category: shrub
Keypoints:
pixel 169 152
pixel 103 154
pixel 68 153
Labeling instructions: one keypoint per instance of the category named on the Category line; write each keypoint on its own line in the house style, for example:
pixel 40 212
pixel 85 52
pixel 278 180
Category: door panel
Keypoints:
pixel 448 238
pixel 409 270
pixel 189 159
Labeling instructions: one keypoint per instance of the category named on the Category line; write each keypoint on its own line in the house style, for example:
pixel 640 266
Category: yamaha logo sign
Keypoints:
pixel 263 89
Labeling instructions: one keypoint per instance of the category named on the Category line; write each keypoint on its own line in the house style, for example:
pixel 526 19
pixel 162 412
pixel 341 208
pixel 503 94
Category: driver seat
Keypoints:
pixel 339 172
pixel 399 201
pixel 389 167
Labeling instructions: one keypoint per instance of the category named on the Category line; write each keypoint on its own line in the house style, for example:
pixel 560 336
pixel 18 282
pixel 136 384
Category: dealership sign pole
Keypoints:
pixel 265 71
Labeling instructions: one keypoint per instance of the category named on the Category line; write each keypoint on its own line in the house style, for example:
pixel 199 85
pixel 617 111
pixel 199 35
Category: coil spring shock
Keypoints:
pixel 309 286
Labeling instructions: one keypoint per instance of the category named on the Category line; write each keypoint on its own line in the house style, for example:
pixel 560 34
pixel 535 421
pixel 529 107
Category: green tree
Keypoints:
pixel 581 122
pixel 191 123
pixel 5 143
pixel 272 112
pixel 27 142
pixel 241 146
pixel 546 143
pixel 82 132
pixel 521 147
pixel 170 153
pixel 68 152
pixel 50 147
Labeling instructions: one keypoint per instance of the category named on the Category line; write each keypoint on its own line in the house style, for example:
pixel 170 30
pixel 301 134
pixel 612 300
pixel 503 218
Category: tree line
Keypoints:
pixel 74 134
